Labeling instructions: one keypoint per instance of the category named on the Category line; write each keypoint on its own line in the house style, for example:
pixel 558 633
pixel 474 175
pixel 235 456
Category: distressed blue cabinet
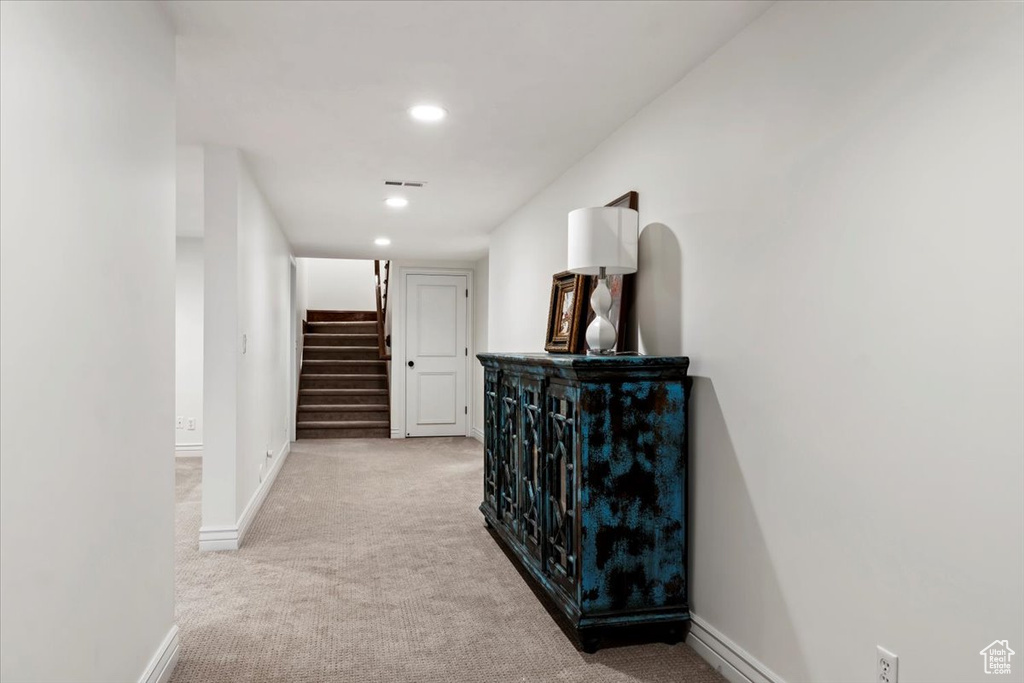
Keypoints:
pixel 585 484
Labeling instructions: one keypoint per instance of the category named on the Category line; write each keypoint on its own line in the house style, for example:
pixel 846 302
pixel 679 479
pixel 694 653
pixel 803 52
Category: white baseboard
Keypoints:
pixel 230 537
pixel 218 537
pixel 729 659
pixel 477 434
pixel 188 450
pixel 260 494
pixel 397 433
pixel 162 664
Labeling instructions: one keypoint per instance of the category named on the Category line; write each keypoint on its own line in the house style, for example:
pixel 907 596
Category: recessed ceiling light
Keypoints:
pixel 429 113
pixel 382 241
pixel 397 202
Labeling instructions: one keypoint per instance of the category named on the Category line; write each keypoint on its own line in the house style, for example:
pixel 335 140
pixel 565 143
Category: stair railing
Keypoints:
pixel 381 276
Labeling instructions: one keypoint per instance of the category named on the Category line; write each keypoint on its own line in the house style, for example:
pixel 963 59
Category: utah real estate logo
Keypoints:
pixel 997 657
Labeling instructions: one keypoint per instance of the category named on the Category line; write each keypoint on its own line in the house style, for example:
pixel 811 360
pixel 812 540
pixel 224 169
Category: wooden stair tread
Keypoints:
pixel 346 424
pixel 343 375
pixel 339 334
pixel 344 361
pixel 343 324
pixel 342 392
pixel 334 407
pixel 348 337
pixel 354 316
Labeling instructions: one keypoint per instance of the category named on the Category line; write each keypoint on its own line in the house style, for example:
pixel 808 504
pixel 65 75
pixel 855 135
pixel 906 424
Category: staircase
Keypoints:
pixel 343 388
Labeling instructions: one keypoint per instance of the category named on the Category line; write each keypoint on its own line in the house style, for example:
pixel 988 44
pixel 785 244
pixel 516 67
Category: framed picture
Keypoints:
pixel 621 287
pixel 565 313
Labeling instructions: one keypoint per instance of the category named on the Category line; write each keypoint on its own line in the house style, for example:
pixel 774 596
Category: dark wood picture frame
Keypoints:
pixel 565 313
pixel 622 288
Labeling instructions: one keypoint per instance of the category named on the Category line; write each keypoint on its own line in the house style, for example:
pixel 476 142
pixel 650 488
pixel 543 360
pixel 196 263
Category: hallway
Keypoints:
pixel 370 562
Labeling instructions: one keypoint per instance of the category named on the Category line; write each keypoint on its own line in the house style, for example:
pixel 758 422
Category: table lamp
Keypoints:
pixel 602 242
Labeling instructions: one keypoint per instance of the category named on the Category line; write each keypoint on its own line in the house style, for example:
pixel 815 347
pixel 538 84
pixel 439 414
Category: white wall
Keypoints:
pixel 301 298
pixel 264 378
pixel 302 284
pixel 480 298
pixel 188 342
pixel 189 191
pixel 222 339
pixel 338 284
pixel 87 135
pixel 248 368
pixel 833 234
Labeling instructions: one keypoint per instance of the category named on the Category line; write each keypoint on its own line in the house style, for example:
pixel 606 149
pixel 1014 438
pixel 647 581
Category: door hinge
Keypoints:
pixel 467 350
pixel 466 410
pixel 467 293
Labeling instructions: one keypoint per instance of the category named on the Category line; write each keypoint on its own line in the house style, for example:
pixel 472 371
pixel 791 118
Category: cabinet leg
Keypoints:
pixel 590 642
pixel 487 523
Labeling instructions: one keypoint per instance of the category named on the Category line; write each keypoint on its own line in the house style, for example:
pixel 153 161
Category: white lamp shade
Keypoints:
pixel 603 237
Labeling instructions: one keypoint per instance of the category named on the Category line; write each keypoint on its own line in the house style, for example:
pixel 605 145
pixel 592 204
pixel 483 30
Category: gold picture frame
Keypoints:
pixel 565 313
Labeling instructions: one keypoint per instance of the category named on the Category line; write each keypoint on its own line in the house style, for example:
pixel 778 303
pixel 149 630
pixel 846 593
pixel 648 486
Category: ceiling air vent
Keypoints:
pixel 405 183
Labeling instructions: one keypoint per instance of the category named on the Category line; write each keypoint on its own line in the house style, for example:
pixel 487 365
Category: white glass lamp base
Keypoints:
pixel 601 333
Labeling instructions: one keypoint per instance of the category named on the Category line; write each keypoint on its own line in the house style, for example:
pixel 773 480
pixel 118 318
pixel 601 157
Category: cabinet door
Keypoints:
pixel 508 453
pixel 491 434
pixel 531 484
pixel 561 529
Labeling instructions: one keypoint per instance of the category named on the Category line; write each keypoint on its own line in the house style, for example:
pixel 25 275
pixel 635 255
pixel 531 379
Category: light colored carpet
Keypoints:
pixel 369 562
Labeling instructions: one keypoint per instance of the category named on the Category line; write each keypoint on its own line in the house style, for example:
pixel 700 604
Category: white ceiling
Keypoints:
pixel 316 93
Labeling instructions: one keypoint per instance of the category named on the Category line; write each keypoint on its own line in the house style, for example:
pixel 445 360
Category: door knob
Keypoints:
pixel 411 364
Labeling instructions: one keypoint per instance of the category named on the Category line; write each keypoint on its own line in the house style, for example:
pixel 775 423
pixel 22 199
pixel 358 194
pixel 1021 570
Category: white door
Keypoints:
pixel 436 355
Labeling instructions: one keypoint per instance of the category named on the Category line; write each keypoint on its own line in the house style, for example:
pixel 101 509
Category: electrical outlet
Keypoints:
pixel 179 423
pixel 888 666
pixel 191 424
